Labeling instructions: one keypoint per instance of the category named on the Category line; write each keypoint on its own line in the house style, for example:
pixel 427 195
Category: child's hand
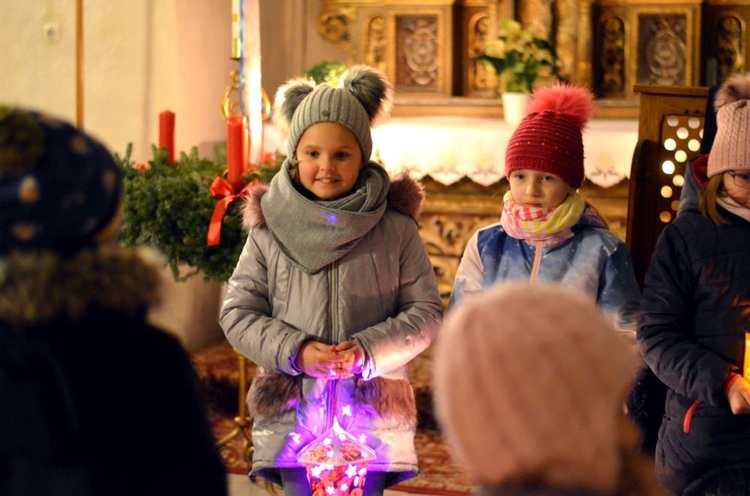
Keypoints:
pixel 317 359
pixel 738 395
pixel 349 360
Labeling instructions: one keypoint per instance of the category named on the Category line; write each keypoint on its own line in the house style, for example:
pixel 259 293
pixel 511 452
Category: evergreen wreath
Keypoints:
pixel 170 207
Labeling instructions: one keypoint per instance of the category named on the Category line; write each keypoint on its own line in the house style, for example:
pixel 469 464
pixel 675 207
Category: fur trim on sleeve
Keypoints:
pixel 389 398
pixel 406 195
pixel 252 215
pixel 271 395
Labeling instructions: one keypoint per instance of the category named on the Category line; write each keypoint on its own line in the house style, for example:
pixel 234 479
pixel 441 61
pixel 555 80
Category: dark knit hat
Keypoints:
pixel 549 138
pixel 58 186
pixel 361 101
pixel 731 146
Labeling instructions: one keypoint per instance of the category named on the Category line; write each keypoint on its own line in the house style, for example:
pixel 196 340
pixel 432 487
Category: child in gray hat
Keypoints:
pixel 93 399
pixel 333 294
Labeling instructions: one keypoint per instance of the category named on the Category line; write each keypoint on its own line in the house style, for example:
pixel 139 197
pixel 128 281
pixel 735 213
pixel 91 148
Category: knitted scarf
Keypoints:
pixel 542 226
pixel 315 233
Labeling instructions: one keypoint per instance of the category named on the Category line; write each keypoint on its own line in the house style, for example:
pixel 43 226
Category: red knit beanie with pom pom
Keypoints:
pixel 549 138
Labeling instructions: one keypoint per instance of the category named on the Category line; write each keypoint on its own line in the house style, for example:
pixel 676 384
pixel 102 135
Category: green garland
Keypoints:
pixel 170 208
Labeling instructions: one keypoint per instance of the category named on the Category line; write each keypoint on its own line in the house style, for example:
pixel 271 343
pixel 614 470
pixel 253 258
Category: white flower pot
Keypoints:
pixel 514 107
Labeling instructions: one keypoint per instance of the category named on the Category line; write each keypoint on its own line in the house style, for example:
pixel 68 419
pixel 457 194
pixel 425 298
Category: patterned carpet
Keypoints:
pixel 218 368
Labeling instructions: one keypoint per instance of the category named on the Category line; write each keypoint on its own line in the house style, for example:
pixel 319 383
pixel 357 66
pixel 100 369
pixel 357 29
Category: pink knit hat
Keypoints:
pixel 731 146
pixel 549 138
pixel 529 383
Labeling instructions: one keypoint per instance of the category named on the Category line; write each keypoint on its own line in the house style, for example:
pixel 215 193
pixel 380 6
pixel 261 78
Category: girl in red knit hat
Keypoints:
pixel 547 232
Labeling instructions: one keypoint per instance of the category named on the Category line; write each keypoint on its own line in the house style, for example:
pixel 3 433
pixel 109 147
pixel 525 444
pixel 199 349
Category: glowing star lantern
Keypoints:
pixel 336 463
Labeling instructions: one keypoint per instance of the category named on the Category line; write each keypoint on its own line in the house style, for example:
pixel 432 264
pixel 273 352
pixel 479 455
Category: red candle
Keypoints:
pixel 166 133
pixel 236 150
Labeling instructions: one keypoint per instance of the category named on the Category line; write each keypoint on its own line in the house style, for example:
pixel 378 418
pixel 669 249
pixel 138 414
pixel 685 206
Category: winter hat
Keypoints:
pixel 361 101
pixel 529 383
pixel 59 187
pixel 731 146
pixel 549 138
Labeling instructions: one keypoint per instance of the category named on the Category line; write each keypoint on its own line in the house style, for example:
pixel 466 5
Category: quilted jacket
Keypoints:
pixel 382 294
pixel 692 334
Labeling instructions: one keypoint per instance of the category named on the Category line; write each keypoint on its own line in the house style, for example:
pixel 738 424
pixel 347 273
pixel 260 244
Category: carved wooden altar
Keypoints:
pixel 427 47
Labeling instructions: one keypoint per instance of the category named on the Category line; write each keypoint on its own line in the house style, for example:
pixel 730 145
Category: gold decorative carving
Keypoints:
pixel 584 67
pixel 445 236
pixel 662 50
pixel 730 46
pixel 417 49
pixel 376 42
pixel 560 21
pixel 333 26
pixel 612 56
pixel 481 79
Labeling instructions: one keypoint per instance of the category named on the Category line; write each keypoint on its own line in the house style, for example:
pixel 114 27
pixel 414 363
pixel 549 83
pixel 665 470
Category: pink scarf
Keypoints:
pixel 542 226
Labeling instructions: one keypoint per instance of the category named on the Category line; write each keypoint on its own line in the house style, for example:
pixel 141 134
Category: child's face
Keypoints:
pixel 329 160
pixel 533 188
pixel 737 186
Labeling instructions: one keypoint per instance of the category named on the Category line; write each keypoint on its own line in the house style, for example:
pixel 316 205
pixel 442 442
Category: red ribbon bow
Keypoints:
pixel 224 192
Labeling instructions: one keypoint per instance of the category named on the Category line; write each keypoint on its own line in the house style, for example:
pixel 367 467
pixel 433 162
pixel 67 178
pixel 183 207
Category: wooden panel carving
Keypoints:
pixel 730 45
pixel 663 50
pixel 418 52
pixel 726 48
pixel 612 56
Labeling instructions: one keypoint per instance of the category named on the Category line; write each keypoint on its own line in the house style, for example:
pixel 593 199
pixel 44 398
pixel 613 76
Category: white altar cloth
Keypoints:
pixel 448 148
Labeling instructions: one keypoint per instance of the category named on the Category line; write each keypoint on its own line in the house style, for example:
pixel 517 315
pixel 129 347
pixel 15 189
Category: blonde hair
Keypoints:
pixel 708 199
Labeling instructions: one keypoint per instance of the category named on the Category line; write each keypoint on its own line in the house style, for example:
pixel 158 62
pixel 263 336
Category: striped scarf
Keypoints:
pixel 545 226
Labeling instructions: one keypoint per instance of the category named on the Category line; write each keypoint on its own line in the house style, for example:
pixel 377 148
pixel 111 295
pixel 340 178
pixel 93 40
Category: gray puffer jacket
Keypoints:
pixel 382 294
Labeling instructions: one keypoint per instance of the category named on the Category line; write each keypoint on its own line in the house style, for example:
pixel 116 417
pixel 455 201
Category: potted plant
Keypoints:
pixel 519 56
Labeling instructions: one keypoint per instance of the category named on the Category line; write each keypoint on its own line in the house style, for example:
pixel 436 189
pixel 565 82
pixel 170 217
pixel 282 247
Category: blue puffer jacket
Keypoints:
pixel 696 304
pixel 593 262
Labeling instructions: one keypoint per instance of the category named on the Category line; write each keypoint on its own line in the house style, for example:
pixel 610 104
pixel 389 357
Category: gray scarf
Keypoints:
pixel 316 233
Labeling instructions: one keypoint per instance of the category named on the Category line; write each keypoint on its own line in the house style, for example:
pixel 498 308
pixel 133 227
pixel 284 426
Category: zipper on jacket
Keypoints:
pixel 332 323
pixel 333 298
pixel 538 248
pixel 689 417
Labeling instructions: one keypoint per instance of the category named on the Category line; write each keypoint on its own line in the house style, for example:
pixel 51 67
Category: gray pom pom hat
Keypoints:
pixel 360 101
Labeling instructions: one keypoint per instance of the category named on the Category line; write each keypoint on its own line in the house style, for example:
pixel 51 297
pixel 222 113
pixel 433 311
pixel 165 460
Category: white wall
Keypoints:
pixel 142 57
pixel 145 56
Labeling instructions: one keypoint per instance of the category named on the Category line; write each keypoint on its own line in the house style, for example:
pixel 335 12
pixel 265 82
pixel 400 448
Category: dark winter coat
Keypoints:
pixel 692 335
pixel 93 400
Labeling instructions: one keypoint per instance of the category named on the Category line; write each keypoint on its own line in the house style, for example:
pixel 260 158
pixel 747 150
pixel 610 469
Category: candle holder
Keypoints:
pixel 230 103
pixel 243 424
